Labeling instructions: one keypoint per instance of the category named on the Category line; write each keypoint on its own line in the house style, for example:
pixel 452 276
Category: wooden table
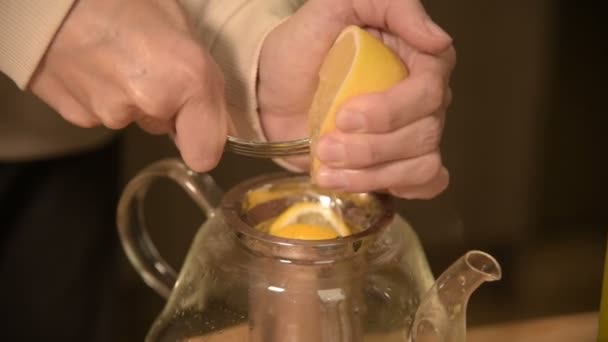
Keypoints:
pixel 572 328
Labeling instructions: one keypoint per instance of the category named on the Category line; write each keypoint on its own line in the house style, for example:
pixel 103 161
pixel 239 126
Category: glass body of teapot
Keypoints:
pixel 239 283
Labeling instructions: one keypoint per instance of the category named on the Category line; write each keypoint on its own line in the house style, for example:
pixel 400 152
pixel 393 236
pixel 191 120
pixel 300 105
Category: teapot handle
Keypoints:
pixel 130 218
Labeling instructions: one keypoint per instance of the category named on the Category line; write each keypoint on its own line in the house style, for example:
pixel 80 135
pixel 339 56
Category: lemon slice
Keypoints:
pixel 308 221
pixel 358 63
pixel 306 232
pixel 265 194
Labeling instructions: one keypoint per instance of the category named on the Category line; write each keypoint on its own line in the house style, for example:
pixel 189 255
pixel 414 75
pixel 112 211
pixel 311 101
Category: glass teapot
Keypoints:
pixel 239 283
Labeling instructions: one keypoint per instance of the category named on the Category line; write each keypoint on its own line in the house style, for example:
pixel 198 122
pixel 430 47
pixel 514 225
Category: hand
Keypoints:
pixel 384 141
pixel 114 62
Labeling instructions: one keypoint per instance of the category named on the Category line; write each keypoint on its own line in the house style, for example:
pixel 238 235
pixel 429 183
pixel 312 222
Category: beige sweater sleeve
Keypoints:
pixel 233 31
pixel 27 27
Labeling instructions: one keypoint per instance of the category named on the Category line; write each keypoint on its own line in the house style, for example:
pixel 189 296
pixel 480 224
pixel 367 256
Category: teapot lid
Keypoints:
pixel 368 213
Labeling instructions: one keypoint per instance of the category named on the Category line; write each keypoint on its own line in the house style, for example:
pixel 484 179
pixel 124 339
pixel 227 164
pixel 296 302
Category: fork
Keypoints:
pixel 267 149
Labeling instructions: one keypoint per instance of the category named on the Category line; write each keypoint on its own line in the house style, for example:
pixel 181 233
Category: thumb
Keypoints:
pixel 200 132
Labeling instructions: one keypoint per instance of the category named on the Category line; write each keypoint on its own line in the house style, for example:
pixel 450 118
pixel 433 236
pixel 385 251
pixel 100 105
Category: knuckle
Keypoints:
pixel 191 72
pixel 115 119
pixel 155 103
pixel 451 56
pixel 381 113
pixel 151 105
pixel 114 122
pixel 88 123
pixel 428 167
pixel 433 93
pixel 155 126
pixel 355 180
pixel 374 111
pixel 430 134
pixel 83 121
pixel 449 97
pixel 203 79
pixel 199 70
pixel 392 115
pixel 362 181
pixel 393 122
pixel 360 151
pixel 194 71
pixel 370 153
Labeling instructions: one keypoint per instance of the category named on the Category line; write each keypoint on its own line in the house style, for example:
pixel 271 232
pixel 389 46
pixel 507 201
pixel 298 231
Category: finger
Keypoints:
pixel 73 112
pixel 419 62
pixel 422 93
pixel 62 101
pixel 407 19
pixel 410 55
pixel 118 116
pixel 201 130
pixel 408 101
pixel 403 173
pixel 427 191
pixel 112 106
pixel 361 150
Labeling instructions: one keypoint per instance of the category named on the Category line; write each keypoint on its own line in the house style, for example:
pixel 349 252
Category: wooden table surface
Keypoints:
pixel 572 328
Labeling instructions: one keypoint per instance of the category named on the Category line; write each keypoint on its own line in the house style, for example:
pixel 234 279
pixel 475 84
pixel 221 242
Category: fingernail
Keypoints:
pixel 434 29
pixel 331 151
pixel 350 121
pixel 328 178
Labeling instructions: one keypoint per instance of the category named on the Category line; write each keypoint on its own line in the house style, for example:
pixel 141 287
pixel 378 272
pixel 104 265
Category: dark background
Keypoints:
pixel 525 147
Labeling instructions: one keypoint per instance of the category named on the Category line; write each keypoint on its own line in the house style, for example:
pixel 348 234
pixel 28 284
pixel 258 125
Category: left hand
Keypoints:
pixel 384 141
pixel 114 62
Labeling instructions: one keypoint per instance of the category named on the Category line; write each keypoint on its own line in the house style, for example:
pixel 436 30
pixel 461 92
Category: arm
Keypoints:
pixel 285 75
pixel 114 62
pixel 234 32
pixel 27 28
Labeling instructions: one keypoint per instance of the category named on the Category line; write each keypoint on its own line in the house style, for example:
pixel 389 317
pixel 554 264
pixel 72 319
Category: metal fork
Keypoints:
pixel 266 149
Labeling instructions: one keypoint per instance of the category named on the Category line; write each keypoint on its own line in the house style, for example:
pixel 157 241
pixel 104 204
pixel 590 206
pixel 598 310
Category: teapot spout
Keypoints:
pixel 441 315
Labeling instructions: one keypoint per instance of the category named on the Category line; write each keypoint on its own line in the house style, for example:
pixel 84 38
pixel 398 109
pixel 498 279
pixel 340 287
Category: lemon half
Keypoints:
pixel 358 63
pixel 309 221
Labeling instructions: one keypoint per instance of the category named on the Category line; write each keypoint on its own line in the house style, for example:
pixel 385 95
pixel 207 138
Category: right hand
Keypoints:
pixel 114 62
pixel 386 141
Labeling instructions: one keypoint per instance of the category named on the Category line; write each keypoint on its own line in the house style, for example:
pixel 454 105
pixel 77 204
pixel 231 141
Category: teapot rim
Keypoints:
pixel 296 250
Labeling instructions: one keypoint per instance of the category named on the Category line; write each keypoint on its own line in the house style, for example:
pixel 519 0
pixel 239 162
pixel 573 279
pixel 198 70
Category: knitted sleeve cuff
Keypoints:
pixel 27 28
